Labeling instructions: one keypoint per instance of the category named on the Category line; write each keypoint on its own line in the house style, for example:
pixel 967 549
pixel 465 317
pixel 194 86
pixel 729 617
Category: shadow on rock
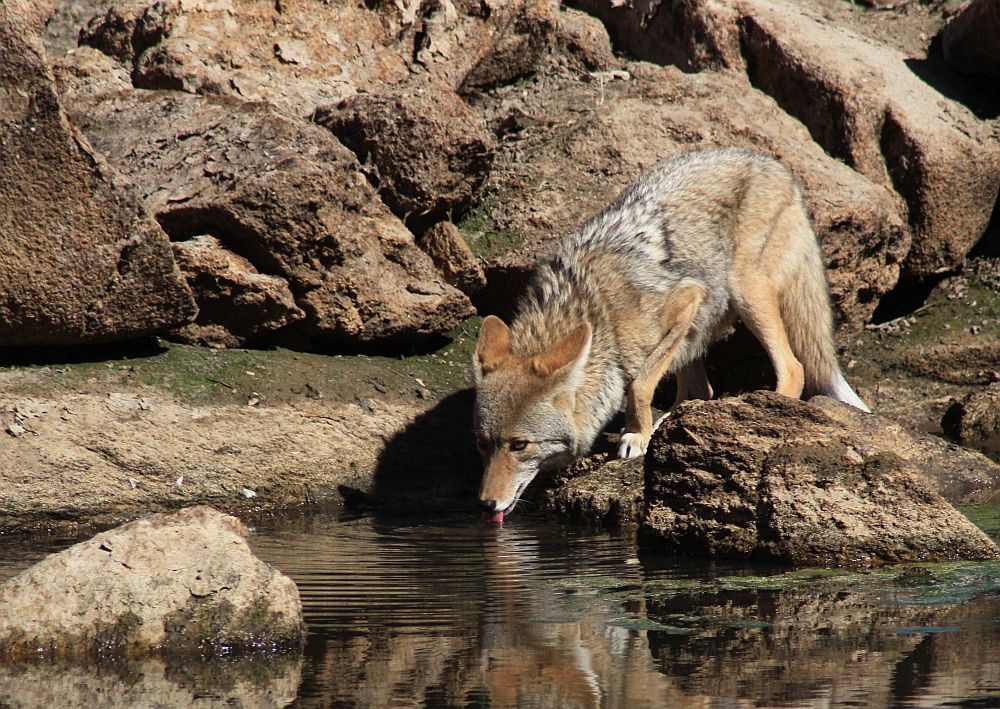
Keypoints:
pixel 431 465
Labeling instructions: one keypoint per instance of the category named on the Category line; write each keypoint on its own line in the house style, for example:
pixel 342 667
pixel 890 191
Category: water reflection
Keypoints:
pixel 260 682
pixel 445 613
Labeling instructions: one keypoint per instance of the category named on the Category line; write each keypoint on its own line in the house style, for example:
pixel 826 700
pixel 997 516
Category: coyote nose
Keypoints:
pixel 488 505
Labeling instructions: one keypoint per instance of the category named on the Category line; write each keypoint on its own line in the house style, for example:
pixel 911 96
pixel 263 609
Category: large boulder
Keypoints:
pixel 82 259
pixel 770 477
pixel 283 194
pixel 641 115
pixel 969 40
pixel 427 152
pixel 185 583
pixel 300 54
pixel 862 102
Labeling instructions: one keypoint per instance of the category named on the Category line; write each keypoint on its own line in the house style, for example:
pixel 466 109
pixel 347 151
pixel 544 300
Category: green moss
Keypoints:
pixel 206 626
pixel 201 375
pixel 484 236
pixel 986 517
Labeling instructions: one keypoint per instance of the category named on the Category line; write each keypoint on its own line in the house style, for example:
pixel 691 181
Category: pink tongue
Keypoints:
pixel 495 518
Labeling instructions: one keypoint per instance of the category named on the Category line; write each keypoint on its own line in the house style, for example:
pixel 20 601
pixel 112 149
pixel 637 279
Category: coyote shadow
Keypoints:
pixel 429 466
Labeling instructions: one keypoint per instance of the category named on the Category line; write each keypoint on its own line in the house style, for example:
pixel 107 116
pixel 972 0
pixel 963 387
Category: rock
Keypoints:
pixel 868 107
pixel 286 196
pixel 444 243
pixel 182 583
pixel 690 34
pixel 584 37
pixel 861 101
pixel 969 39
pixel 299 54
pixel 599 490
pixel 960 476
pixel 516 44
pixel 82 261
pixel 427 152
pixel 33 14
pixel 651 112
pixel 975 419
pixel 774 478
pixel 89 457
pixel 236 303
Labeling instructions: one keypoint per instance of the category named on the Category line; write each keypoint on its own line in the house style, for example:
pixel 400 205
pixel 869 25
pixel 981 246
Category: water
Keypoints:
pixel 443 612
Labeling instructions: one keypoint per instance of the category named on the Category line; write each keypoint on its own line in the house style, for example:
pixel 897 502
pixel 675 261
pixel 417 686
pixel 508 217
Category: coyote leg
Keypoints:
pixel 677 317
pixel 759 310
pixel 692 383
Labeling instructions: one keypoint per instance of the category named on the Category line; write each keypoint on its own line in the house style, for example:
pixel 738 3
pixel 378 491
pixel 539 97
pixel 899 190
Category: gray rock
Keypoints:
pixel 184 583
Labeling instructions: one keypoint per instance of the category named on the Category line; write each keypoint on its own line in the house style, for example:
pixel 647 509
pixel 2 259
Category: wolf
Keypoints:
pixel 639 291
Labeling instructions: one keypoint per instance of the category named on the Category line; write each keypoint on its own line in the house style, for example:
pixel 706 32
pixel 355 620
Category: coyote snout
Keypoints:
pixel 639 291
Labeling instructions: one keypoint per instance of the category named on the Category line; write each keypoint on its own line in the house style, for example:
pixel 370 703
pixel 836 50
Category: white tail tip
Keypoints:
pixel 841 390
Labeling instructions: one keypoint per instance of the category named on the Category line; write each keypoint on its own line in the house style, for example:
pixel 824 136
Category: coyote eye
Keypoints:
pixel 518 444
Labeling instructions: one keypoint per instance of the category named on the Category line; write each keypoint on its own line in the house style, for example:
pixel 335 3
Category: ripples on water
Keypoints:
pixel 443 612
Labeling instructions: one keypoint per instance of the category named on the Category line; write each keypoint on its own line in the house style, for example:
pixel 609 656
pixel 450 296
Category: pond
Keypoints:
pixel 444 612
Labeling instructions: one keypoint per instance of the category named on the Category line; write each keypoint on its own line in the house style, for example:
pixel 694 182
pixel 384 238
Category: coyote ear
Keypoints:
pixel 568 356
pixel 493 343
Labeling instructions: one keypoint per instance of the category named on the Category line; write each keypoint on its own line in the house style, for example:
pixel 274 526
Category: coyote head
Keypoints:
pixel 525 404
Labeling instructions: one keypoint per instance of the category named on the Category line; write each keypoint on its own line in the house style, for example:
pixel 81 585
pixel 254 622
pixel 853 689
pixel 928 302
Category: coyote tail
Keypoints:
pixel 808 318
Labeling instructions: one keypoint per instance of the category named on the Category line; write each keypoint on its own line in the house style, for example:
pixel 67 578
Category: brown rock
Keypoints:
pixel 770 477
pixel 267 682
pixel 969 40
pixel 960 476
pixel 300 54
pixel 866 106
pixel 286 196
pixel 516 44
pixel 427 152
pixel 236 303
pixel 454 259
pixel 690 34
pixel 975 420
pixel 591 138
pixel 583 36
pixel 599 490
pixel 186 582
pixel 82 261
pixel 860 100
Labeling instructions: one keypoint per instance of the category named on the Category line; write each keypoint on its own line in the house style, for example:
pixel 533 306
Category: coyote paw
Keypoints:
pixel 633 445
pixel 661 420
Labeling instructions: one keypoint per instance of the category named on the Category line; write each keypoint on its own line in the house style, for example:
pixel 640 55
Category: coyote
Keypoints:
pixel 639 291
